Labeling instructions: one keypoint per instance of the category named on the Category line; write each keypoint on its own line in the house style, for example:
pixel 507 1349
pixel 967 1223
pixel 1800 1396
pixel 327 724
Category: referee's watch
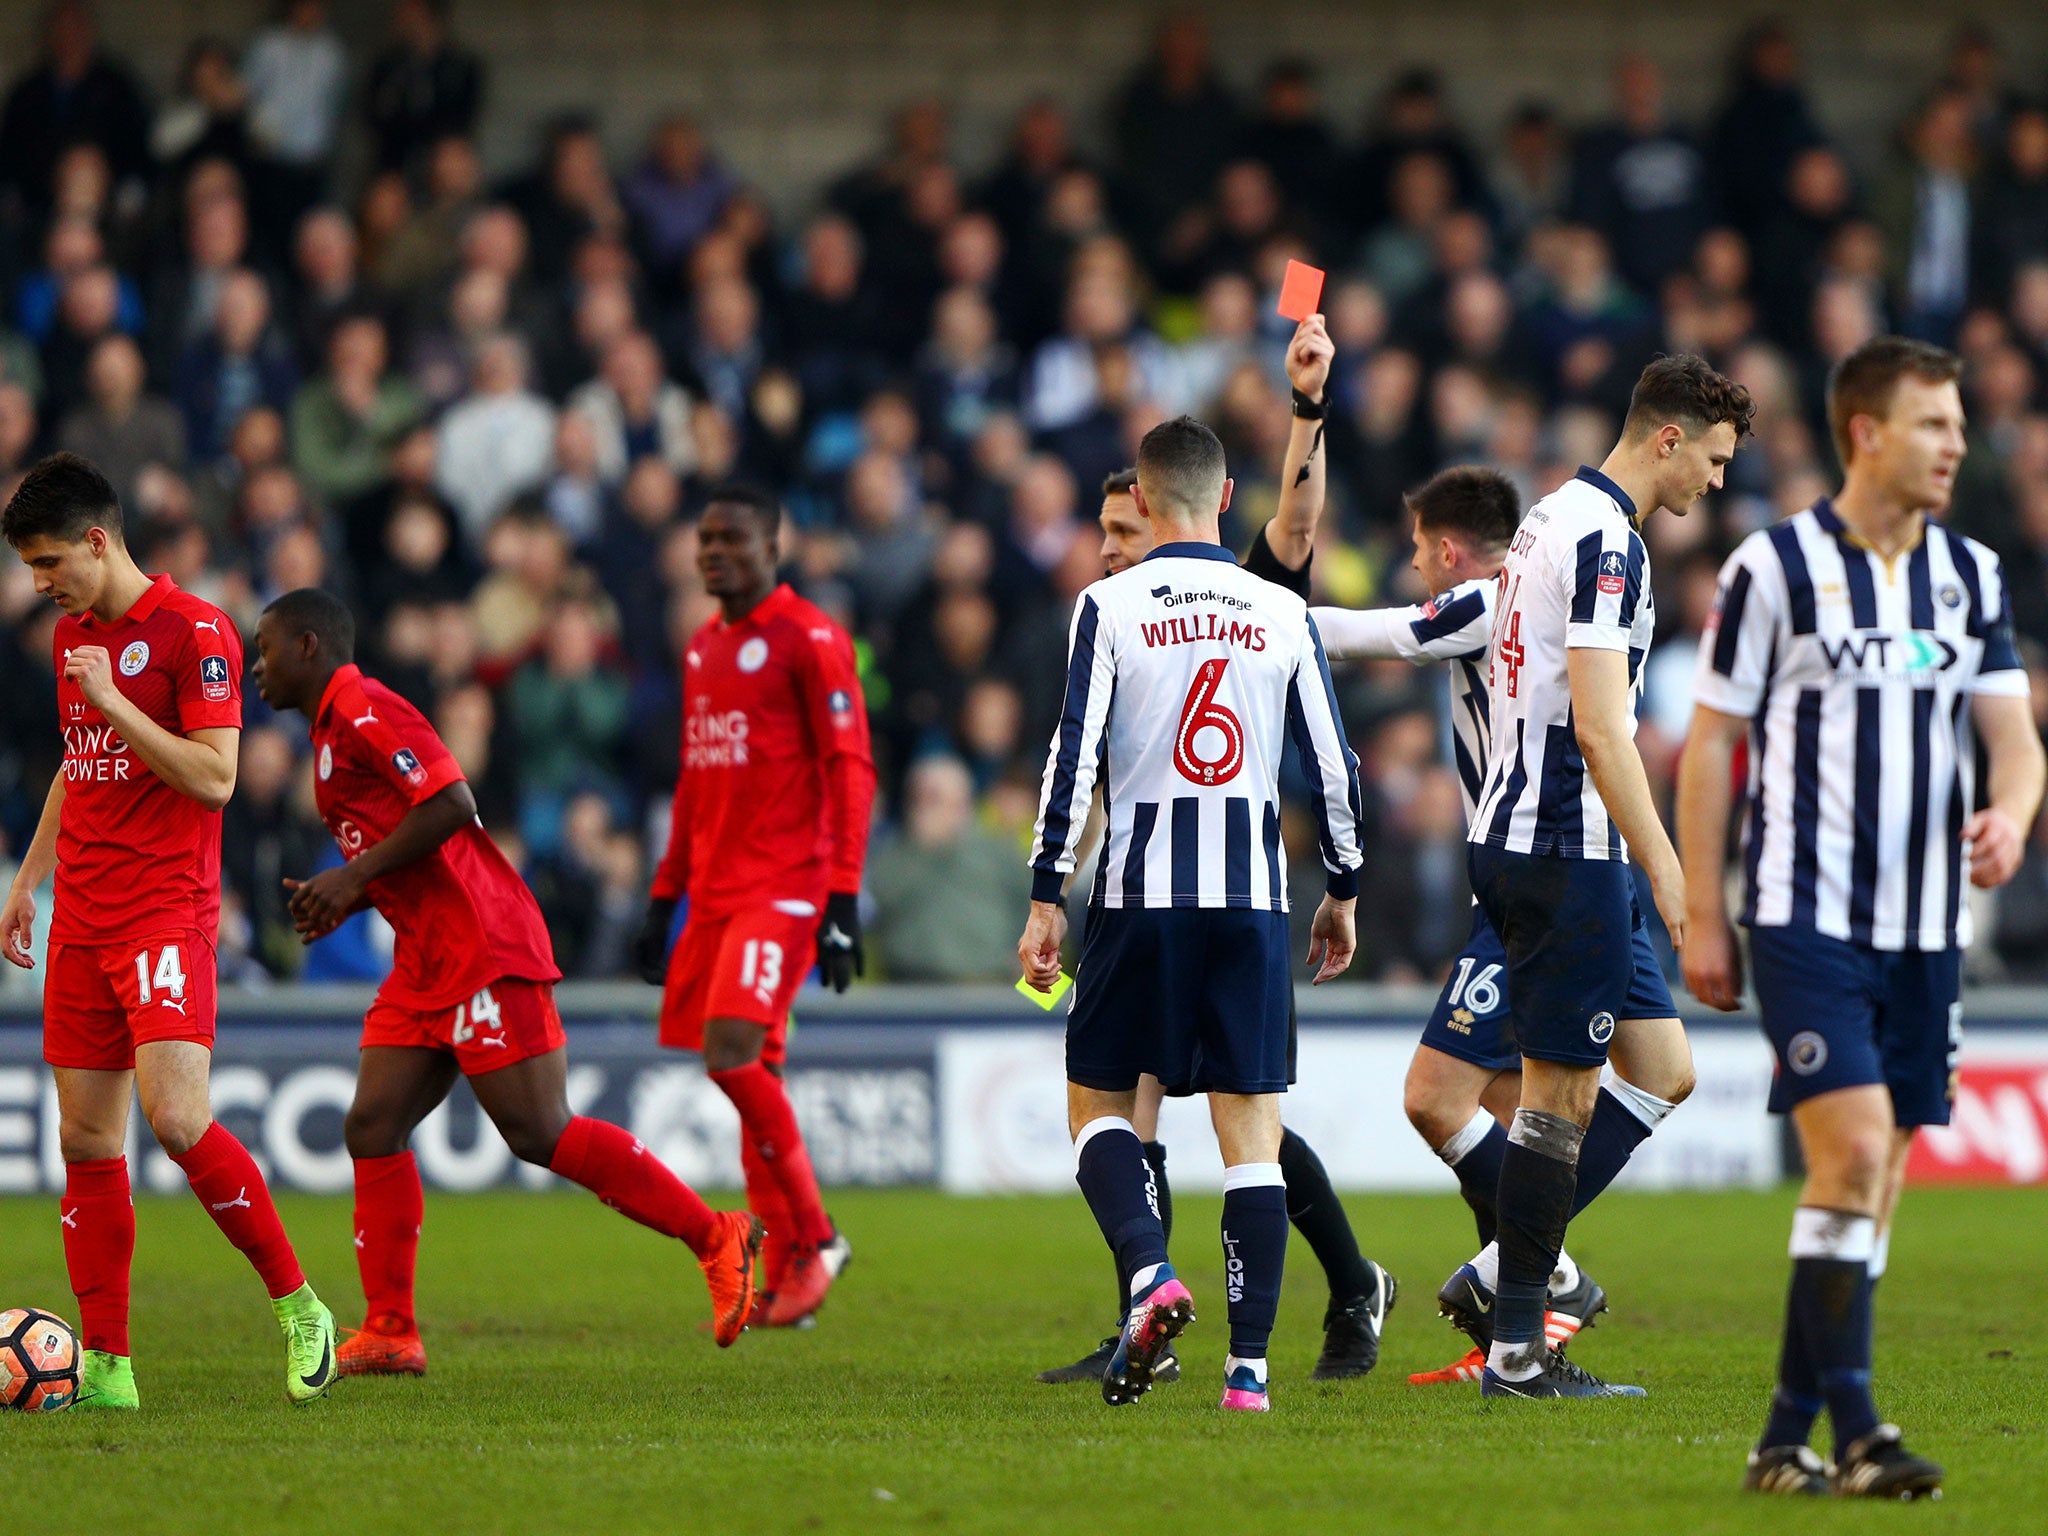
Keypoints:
pixel 1308 409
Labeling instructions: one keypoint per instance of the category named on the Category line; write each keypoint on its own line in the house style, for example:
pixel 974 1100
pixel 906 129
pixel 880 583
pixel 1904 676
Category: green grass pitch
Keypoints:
pixel 571 1390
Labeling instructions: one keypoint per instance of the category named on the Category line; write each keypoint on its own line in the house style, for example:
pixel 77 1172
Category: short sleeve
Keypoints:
pixel 2000 673
pixel 209 676
pixel 404 749
pixel 1261 562
pixel 1734 663
pixel 1602 577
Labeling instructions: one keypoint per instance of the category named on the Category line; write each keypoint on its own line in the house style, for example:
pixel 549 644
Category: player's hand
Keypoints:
pixel 1996 847
pixel 322 904
pixel 650 946
pixel 840 956
pixel 17 922
pixel 92 669
pixel 1711 964
pixel 1039 949
pixel 1668 891
pixel 1333 939
pixel 1309 356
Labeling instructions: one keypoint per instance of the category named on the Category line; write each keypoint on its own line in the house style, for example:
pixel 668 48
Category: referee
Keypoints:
pixel 1860 646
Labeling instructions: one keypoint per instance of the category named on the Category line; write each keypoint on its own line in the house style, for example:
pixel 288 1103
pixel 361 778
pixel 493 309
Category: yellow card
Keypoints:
pixel 1046 1000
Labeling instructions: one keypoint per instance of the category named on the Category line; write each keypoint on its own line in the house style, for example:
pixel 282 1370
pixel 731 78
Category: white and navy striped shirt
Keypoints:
pixel 1856 675
pixel 1576 576
pixel 1183 673
pixel 1453 626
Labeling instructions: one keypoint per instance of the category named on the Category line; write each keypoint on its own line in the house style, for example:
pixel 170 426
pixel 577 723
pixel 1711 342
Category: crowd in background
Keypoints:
pixel 485 411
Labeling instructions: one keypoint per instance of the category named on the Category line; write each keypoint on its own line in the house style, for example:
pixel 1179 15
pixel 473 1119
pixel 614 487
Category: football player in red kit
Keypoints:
pixel 471 988
pixel 149 697
pixel 770 827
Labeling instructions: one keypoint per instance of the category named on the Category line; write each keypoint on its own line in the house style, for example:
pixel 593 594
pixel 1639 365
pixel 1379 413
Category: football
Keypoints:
pixel 39 1359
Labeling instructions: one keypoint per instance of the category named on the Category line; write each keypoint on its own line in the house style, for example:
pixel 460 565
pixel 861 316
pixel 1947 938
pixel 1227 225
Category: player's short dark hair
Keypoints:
pixel 1180 463
pixel 1864 382
pixel 1119 482
pixel 741 493
pixel 62 498
pixel 1468 499
pixel 314 611
pixel 1685 389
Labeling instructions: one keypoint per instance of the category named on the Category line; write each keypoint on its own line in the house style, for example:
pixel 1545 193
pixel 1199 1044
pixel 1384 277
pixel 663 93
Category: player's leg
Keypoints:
pixel 171 1076
pixel 98 1218
pixel 1452 1105
pixel 397 1086
pixel 1248 1132
pixel 528 1101
pixel 1145 1121
pixel 1362 1293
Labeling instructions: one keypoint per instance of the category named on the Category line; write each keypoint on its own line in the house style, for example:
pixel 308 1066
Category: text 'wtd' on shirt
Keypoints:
pixel 1185 677
pixel 1576 577
pixel 1856 674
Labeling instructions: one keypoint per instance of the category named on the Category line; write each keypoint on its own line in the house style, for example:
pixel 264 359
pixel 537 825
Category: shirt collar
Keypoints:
pixel 1831 522
pixel 1191 549
pixel 1598 481
pixel 764 610
pixel 344 675
pixel 152 599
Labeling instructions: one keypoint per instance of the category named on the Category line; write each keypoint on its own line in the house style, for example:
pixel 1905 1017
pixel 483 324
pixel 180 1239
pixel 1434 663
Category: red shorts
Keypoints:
pixel 100 1001
pixel 508 1022
pixel 745 965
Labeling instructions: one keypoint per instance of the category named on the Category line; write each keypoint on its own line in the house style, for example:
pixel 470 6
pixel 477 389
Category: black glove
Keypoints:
pixel 650 949
pixel 840 956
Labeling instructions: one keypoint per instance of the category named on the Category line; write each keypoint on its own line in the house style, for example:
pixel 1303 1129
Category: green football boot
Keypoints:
pixel 309 1365
pixel 105 1382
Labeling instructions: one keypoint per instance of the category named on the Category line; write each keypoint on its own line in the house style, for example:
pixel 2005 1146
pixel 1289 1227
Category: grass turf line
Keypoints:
pixel 570 1389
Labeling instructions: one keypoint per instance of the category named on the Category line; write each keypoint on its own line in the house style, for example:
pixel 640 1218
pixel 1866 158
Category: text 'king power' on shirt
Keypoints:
pixel 463 917
pixel 1184 676
pixel 1576 576
pixel 777 779
pixel 1856 674
pixel 134 856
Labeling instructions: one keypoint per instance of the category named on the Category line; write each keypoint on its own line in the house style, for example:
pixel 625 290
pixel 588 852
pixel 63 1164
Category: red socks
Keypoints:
pixel 99 1247
pixel 768 1121
pixel 764 1199
pixel 616 1167
pixel 230 1186
pixel 389 1210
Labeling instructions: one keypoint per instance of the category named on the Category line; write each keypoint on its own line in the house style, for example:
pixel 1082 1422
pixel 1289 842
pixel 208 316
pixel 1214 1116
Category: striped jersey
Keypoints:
pixel 1453 626
pixel 1576 576
pixel 1856 675
pixel 1186 675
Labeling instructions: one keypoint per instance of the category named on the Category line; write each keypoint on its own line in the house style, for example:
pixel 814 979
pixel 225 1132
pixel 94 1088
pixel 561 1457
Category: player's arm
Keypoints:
pixel 1291 534
pixel 1069 789
pixel 200 766
pixel 1318 732
pixel 1997 834
pixel 1455 624
pixel 1600 699
pixel 323 903
pixel 1706 801
pixel 839 727
pixel 671 880
pixel 18 917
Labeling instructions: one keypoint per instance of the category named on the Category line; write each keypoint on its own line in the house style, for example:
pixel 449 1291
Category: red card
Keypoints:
pixel 1300 291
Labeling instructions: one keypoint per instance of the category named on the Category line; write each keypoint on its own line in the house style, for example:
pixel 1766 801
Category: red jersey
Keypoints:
pixel 463 917
pixel 134 856
pixel 777 778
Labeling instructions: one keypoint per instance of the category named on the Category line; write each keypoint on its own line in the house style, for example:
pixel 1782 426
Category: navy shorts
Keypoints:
pixel 1471 1017
pixel 1200 997
pixel 1578 955
pixel 1841 1015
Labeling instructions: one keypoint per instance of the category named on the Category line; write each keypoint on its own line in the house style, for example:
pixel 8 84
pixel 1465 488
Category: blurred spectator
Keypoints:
pixel 184 293
pixel 966 372
pixel 73 245
pixel 498 442
pixel 345 421
pixel 18 427
pixel 1412 119
pixel 122 430
pixel 424 251
pixel 328 283
pixel 892 541
pixel 568 198
pixel 567 709
pixel 297 73
pixel 265 837
pixel 1174 124
pixel 1765 123
pixel 724 349
pixel 947 893
pixel 2013 224
pixel 633 410
pixel 75 93
pixel 422 87
pixel 677 193
pixel 628 558
pixel 590 891
pixel 209 117
pixel 832 329
pixel 1924 207
pixel 1290 137
pixel 237 366
pixel 1532 176
pixel 1641 181
pixel 1040 149
pixel 88 311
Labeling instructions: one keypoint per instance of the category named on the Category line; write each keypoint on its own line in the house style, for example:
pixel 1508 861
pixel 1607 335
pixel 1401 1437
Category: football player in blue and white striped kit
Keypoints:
pixel 1566 802
pixel 1185 674
pixel 1860 646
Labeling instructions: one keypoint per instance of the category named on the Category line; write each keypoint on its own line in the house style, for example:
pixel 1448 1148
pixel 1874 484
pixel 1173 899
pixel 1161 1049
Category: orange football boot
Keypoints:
pixel 1465 1370
pixel 383 1346
pixel 729 1272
